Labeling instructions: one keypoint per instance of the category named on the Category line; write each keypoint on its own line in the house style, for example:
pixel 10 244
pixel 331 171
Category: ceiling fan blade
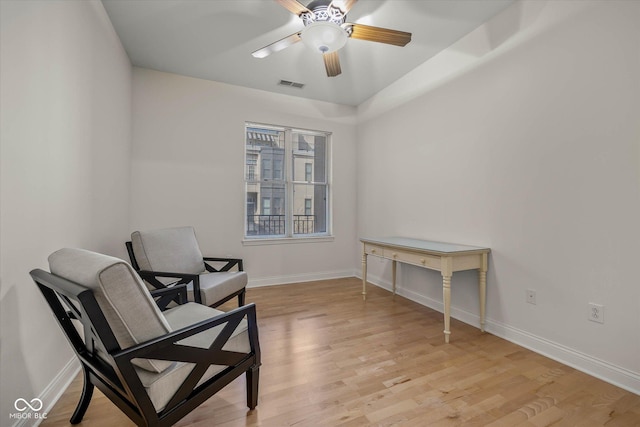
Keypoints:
pixel 380 35
pixel 293 6
pixel 332 63
pixel 344 5
pixel 277 46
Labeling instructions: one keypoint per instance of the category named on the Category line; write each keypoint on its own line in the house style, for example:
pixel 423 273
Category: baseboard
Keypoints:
pixel 52 393
pixel 590 365
pixel 298 278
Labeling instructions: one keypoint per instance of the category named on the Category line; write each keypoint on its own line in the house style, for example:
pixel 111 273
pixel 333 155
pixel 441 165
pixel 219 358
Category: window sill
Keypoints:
pixel 286 240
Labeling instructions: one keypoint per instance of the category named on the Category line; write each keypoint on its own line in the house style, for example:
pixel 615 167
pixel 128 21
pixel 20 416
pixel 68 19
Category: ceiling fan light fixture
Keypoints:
pixel 324 37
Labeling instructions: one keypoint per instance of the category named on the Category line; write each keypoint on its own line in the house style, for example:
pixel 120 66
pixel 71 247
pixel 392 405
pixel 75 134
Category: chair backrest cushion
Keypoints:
pixel 174 250
pixel 124 300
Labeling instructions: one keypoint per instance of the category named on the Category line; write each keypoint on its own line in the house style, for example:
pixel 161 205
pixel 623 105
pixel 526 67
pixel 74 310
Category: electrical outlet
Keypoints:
pixel 596 313
pixel 531 296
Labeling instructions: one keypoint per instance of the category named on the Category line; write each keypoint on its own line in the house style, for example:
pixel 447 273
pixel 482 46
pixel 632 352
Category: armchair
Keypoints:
pixel 172 256
pixel 155 366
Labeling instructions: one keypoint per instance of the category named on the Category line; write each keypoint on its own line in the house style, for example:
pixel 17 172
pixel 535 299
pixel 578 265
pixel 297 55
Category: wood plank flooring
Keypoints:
pixel 330 359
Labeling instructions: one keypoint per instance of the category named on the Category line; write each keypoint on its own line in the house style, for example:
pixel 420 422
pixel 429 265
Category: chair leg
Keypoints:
pixel 241 298
pixel 253 375
pixel 85 398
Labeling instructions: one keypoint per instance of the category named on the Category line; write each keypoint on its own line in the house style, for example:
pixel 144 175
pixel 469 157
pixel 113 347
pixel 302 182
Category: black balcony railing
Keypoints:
pixel 273 225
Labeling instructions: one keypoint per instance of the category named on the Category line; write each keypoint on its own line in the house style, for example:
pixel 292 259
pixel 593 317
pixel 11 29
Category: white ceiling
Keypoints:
pixel 213 40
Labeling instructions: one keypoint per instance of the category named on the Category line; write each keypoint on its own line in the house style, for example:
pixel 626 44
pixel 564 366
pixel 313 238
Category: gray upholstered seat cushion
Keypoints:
pixel 162 386
pixel 173 250
pixel 216 286
pixel 124 300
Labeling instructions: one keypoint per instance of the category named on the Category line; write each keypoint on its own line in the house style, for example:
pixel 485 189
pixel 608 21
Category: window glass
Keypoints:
pixel 288 194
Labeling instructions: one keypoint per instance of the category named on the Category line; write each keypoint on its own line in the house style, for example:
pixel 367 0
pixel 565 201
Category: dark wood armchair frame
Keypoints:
pixel 151 277
pixel 122 384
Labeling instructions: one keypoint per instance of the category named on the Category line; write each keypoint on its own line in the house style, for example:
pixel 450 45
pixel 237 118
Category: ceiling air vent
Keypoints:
pixel 291 84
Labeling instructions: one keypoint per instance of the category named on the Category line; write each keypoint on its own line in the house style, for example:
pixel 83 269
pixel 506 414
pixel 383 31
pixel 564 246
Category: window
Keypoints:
pixel 278 206
pixel 252 162
pixel 292 184
pixel 266 206
pixel 277 169
pixel 266 168
pixel 307 171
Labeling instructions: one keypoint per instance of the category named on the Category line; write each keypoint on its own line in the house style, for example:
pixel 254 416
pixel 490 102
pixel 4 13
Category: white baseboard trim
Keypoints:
pixel 52 393
pixel 590 365
pixel 298 278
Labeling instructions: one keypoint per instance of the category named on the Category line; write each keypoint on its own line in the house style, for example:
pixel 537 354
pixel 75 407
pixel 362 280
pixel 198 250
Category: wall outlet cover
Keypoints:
pixel 596 312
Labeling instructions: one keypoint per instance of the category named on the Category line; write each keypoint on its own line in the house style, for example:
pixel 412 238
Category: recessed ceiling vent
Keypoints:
pixel 291 84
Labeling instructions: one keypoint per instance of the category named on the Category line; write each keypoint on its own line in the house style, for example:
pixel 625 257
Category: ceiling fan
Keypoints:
pixel 325 31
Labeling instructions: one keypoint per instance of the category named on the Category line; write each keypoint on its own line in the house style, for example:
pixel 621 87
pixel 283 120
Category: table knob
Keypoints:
pixel 422 260
pixel 373 251
pixel 395 255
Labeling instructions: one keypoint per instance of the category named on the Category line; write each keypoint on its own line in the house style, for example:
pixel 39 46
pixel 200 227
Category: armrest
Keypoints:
pixel 154 274
pixel 167 347
pixel 176 293
pixel 230 263
pixel 151 277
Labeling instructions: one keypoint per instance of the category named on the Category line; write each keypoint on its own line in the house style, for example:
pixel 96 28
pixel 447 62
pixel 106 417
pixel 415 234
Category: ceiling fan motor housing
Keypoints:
pixel 321 11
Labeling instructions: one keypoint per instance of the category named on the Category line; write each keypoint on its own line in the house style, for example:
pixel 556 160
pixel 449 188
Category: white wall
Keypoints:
pixel 188 169
pixel 65 171
pixel 530 145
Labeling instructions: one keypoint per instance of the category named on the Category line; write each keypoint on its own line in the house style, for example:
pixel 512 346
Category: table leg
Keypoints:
pixel 446 297
pixel 364 276
pixel 393 278
pixel 482 287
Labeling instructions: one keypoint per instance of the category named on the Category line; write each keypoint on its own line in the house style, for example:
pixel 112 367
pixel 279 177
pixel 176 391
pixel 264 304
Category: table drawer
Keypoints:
pixel 370 249
pixel 422 260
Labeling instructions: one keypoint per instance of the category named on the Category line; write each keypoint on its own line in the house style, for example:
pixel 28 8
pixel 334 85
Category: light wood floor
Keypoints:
pixel 330 359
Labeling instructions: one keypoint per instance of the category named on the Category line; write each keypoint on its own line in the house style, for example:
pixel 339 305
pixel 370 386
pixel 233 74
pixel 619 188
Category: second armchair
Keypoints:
pixel 172 256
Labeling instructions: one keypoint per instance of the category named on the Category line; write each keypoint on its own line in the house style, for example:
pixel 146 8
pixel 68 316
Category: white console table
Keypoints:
pixel 446 258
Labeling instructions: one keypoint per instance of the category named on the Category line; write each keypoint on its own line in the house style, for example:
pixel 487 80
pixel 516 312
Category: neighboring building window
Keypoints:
pixel 266 169
pixel 266 206
pixel 307 171
pixel 278 206
pixel 277 169
pixel 252 162
pixel 252 201
pixel 292 183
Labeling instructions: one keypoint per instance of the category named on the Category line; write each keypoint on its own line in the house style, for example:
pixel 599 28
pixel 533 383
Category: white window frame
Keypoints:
pixel 290 146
